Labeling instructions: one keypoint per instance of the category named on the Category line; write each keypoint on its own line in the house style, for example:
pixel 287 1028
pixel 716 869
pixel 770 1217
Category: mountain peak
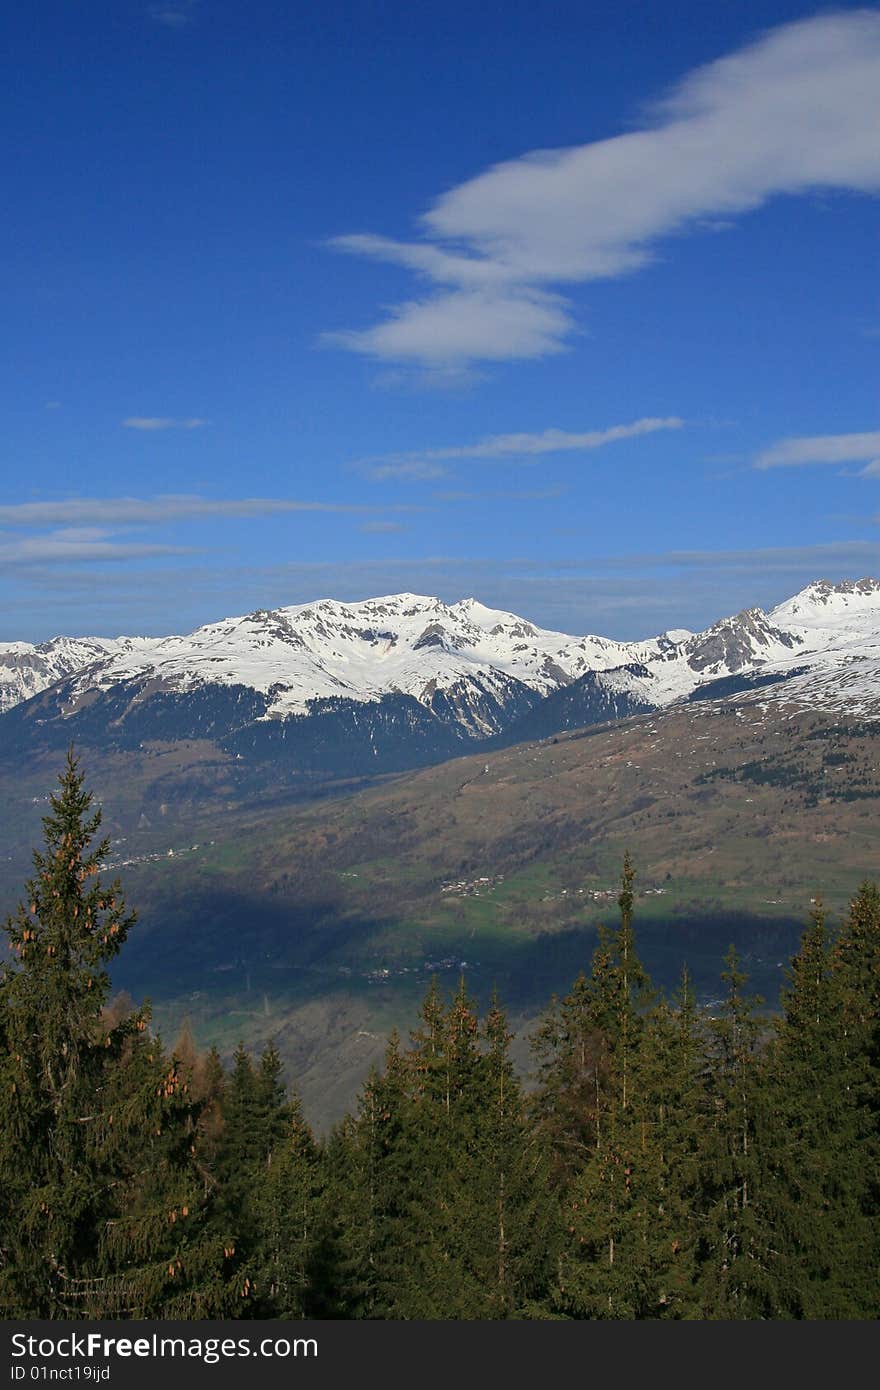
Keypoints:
pixel 822 603
pixel 424 649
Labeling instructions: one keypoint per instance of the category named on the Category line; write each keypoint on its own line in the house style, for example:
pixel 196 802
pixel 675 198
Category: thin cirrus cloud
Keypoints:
pixel 544 494
pixel 135 511
pixel 176 15
pixel 151 423
pixel 825 448
pixel 793 112
pixel 382 528
pixel 77 544
pixel 427 464
pixel 408 470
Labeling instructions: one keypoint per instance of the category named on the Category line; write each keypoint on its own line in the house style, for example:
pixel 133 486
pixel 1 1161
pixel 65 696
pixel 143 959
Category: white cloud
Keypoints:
pixel 77 545
pixel 824 448
pixel 554 441
pixel 162 422
pixel 143 510
pixel 793 112
pixel 446 267
pixel 426 464
pixel 472 324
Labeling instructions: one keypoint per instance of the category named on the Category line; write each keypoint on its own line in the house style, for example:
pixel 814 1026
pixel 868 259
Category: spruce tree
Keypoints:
pixel 165 1252
pixel 470 1240
pixel 55 1056
pixel 573 1050
pixel 445 1063
pixel 284 1204
pixel 733 1276
pixel 604 1272
pixel 236 1145
pixel 817 1125
pixel 515 1254
pixel 97 1157
pixel 266 1167
pixel 855 971
pixel 372 1187
pixel 669 1116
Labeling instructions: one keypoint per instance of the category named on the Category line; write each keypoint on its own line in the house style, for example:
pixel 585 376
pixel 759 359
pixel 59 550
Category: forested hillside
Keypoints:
pixel 667 1163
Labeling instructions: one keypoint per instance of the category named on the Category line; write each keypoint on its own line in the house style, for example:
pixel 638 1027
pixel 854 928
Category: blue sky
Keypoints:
pixel 570 307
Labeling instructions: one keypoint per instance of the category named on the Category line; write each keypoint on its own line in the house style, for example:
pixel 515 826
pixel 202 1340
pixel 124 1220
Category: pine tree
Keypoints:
pixel 633 986
pixel 235 1157
pixel 818 1124
pixel 96 1129
pixel 519 1228
pixel 605 1271
pixel 164 1251
pixel 630 1212
pixel 371 1189
pixel 284 1205
pixel 441 1190
pixel 734 1279
pixel 573 1050
pixel 669 1113
pixel 853 1137
pixel 267 1168
pixel 54 1060
pixel 444 1063
pixel 209 1086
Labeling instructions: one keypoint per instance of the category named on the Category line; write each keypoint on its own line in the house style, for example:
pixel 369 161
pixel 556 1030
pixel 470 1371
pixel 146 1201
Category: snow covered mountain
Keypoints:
pixel 25 670
pixel 353 680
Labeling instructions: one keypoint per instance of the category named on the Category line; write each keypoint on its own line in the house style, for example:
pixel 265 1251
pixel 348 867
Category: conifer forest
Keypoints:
pixel 661 1161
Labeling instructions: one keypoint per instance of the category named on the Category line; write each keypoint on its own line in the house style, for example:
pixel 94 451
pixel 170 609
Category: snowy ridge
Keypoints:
pixel 25 669
pixel 406 644
pixel 471 660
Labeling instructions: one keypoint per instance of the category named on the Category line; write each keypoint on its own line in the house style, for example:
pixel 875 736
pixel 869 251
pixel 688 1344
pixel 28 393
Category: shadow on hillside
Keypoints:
pixel 551 962
pixel 219 943
pixel 214 940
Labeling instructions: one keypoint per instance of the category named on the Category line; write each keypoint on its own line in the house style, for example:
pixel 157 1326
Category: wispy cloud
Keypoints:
pixel 449 378
pixel 634 596
pixel 76 545
pixel 175 15
pixel 816 559
pixel 545 494
pixel 162 422
pixel 791 113
pixel 382 528
pixel 824 448
pixel 136 511
pixel 426 464
pixel 410 470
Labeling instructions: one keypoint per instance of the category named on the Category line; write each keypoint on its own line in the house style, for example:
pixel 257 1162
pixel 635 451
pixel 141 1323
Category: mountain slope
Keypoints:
pixel 25 669
pixel 334 688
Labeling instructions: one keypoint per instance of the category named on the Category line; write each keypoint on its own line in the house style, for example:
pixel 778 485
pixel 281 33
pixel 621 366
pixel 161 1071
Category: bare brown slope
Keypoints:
pixel 747 803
